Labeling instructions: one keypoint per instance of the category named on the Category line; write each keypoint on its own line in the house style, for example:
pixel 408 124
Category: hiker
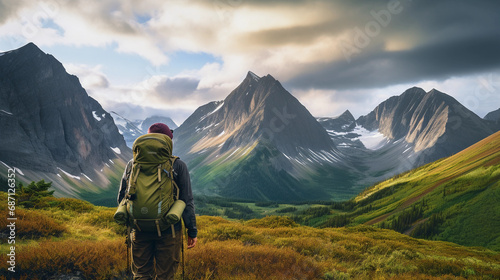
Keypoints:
pixel 156 254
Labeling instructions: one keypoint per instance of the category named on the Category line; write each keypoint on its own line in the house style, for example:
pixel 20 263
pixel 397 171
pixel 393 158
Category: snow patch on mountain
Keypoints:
pixel 87 177
pixel 16 170
pixel 198 129
pixel 116 150
pixel 19 171
pixel 4 164
pixel 372 140
pixel 305 157
pixel 255 77
pixel 220 103
pixel 217 109
pixel 70 175
pixel 96 116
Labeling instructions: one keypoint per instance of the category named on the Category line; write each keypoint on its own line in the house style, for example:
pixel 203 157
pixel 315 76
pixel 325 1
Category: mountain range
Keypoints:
pixel 407 131
pixel 133 129
pixel 259 143
pixel 52 130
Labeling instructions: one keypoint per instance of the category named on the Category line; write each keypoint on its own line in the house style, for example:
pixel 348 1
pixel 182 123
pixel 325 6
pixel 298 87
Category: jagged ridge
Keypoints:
pixel 263 135
pixel 53 126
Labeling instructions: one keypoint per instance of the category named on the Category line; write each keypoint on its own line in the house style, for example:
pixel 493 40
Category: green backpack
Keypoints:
pixel 151 203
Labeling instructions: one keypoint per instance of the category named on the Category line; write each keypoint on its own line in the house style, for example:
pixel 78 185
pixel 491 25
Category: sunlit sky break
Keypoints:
pixel 140 58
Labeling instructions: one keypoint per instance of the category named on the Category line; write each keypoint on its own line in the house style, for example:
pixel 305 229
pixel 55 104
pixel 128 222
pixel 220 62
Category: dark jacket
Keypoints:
pixel 181 177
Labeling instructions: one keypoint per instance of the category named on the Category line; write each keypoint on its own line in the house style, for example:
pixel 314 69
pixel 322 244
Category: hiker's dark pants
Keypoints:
pixel 155 257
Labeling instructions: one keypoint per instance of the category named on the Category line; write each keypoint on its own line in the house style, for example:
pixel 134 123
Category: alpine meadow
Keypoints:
pixel 63 237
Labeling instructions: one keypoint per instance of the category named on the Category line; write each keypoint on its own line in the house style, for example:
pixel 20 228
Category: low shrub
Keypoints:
pixel 227 232
pixel 104 219
pixel 94 260
pixel 289 209
pixel 232 260
pixel 71 204
pixel 272 222
pixel 32 225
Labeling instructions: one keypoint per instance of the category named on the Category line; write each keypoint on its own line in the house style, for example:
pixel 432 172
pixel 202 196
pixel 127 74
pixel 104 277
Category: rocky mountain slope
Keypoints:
pixel 406 131
pixel 493 116
pixel 261 127
pixel 52 129
pixel 260 143
pixel 435 124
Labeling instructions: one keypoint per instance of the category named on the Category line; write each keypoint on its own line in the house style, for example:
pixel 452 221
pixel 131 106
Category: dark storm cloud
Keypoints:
pixel 448 38
pixel 9 9
pixel 437 61
pixel 300 35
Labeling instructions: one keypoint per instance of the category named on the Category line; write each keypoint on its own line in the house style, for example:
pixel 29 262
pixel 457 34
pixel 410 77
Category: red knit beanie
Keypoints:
pixel 161 128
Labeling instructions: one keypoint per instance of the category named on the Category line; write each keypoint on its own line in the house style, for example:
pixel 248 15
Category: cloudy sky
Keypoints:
pixel 141 58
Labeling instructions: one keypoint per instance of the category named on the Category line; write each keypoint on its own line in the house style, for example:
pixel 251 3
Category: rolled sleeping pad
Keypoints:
pixel 175 213
pixel 121 214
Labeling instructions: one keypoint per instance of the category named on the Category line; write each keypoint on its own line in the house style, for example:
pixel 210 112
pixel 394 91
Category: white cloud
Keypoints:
pixel 196 26
pixel 84 23
pixel 91 77
pixel 176 97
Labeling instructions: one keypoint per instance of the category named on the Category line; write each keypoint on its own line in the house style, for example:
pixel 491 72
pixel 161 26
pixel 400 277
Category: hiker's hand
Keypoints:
pixel 192 242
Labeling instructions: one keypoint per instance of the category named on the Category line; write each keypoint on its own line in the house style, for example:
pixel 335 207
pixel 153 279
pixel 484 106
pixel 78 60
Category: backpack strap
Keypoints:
pixel 134 173
pixel 159 173
pixel 175 187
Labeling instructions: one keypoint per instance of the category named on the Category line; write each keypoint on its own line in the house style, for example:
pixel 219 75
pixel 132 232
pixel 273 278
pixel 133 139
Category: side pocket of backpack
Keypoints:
pixel 174 215
pixel 121 214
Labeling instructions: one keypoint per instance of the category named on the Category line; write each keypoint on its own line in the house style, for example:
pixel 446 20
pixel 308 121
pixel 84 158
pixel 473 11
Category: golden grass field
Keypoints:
pixel 72 237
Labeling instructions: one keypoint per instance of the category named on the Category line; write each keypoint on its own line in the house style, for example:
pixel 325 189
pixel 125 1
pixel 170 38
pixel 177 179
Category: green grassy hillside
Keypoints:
pixel 62 236
pixel 454 199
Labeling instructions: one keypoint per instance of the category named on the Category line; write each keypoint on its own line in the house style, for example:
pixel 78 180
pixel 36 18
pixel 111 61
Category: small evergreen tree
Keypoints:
pixel 31 195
